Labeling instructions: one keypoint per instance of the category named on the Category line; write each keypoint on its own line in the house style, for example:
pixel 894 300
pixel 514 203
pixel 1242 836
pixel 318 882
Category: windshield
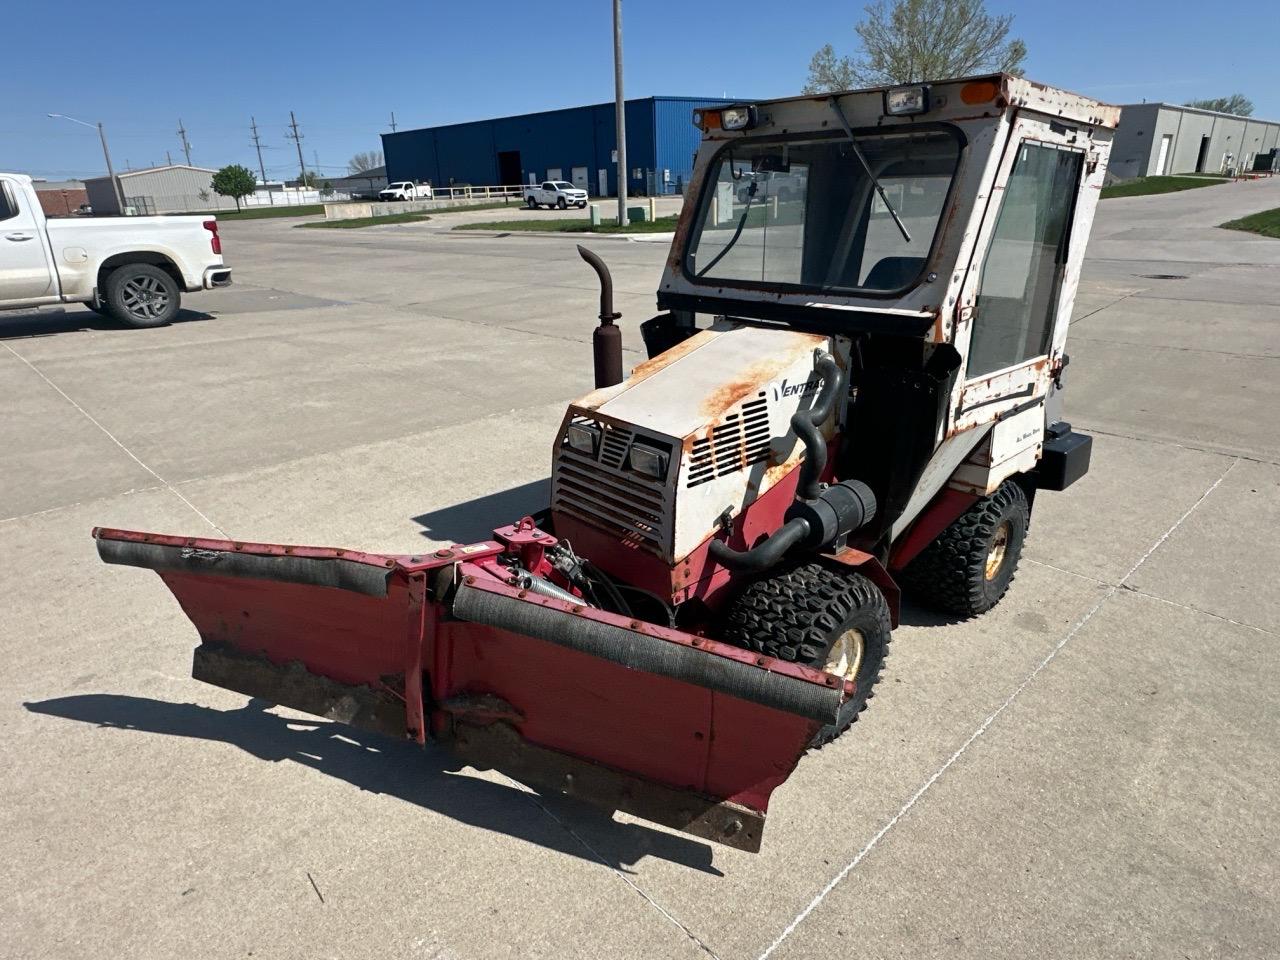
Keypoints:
pixel 804 213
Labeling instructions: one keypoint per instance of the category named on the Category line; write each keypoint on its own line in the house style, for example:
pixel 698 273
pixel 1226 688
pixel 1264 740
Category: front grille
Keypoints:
pixel 739 440
pixel 602 492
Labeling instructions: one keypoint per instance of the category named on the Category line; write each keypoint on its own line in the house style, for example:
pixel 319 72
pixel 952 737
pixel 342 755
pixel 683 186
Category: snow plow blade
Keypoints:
pixel 661 724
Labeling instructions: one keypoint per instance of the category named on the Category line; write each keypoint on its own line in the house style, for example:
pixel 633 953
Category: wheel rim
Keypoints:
pixel 145 297
pixel 999 547
pixel 845 658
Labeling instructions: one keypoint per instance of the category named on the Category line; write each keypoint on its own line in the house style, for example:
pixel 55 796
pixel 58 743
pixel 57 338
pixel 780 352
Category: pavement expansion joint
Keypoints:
pixel 114 439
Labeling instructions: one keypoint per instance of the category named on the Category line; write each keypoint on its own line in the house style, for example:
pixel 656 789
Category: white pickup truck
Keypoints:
pixel 555 193
pixel 133 269
pixel 406 190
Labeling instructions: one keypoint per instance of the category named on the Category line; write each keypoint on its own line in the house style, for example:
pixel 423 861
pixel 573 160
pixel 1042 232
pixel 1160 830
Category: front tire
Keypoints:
pixel 830 619
pixel 968 569
pixel 142 295
pixel 562 204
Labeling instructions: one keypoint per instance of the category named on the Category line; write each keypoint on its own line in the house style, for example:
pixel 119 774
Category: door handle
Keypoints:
pixel 19 236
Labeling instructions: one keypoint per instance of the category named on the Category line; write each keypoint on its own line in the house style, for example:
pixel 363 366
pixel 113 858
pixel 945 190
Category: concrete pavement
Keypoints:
pixel 1088 771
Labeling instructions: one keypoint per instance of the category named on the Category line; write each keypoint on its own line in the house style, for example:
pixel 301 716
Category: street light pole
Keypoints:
pixel 620 109
pixel 106 155
pixel 115 184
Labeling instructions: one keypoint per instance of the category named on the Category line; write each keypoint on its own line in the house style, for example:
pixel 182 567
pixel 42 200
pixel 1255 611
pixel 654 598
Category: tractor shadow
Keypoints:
pixel 913 615
pixel 430 778
pixel 52 322
pixel 474 520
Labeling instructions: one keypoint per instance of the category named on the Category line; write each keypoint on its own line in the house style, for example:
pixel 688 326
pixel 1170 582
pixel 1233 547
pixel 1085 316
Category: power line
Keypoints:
pixel 186 147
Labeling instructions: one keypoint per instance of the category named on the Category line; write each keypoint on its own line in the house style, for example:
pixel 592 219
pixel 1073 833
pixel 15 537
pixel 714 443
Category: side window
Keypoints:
pixel 548 186
pixel 8 208
pixel 1018 290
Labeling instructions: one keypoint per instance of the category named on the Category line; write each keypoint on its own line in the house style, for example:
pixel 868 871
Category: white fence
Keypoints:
pixel 151 204
pixel 468 192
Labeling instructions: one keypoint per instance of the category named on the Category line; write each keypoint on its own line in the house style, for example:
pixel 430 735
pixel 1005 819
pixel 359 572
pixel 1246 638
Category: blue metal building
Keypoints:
pixel 574 144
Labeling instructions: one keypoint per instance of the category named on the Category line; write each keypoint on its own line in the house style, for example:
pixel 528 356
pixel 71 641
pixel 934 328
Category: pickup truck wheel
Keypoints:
pixel 142 295
pixel 970 566
pixel 833 620
pixel 533 204
pixel 560 202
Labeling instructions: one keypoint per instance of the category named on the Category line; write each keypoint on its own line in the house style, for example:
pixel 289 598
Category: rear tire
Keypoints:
pixel 533 204
pixel 832 620
pixel 142 295
pixel 968 569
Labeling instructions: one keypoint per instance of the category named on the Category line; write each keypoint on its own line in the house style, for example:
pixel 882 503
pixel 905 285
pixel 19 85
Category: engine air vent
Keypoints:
pixel 739 440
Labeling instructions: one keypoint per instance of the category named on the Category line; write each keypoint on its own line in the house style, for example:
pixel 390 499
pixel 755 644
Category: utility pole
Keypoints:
pixel 186 147
pixel 168 158
pixel 296 137
pixel 257 143
pixel 620 109
pixel 393 121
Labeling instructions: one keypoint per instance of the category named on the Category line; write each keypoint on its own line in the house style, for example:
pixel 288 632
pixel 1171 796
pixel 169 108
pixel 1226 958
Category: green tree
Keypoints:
pixel 234 181
pixel 308 179
pixel 908 41
pixel 326 189
pixel 1237 103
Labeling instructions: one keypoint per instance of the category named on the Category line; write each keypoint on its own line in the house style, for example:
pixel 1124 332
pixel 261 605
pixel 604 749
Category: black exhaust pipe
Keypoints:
pixel 606 342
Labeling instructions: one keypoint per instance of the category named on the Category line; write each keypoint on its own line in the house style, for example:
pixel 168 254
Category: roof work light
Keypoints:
pixel 906 101
pixel 728 118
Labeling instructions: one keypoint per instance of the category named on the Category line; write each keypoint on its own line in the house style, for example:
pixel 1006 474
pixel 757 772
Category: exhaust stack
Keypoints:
pixel 606 342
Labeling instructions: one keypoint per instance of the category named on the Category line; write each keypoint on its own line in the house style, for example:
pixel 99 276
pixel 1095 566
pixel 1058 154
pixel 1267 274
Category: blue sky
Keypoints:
pixel 140 65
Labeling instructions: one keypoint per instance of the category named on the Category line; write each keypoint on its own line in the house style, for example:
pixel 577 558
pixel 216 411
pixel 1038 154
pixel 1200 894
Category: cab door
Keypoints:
pixel 1017 297
pixel 26 273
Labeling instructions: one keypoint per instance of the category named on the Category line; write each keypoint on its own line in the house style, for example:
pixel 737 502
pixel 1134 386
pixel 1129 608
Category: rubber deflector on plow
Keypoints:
pixel 664 725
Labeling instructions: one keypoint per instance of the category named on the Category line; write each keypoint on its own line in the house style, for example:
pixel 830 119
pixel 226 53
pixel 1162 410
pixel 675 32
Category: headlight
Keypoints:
pixel 648 461
pixel 583 437
pixel 738 118
pixel 906 101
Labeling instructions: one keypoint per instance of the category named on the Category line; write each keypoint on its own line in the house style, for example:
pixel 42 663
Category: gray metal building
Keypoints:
pixel 172 189
pixel 1164 138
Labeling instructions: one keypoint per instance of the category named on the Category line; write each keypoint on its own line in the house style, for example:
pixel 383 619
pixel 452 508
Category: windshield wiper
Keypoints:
pixel 857 151
pixel 742 222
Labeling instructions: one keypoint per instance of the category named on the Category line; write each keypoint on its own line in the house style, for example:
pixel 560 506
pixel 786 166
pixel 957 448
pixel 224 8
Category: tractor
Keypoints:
pixel 853 388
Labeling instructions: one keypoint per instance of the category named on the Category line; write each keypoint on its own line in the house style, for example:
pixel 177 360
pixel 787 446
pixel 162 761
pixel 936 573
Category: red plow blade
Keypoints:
pixel 665 725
